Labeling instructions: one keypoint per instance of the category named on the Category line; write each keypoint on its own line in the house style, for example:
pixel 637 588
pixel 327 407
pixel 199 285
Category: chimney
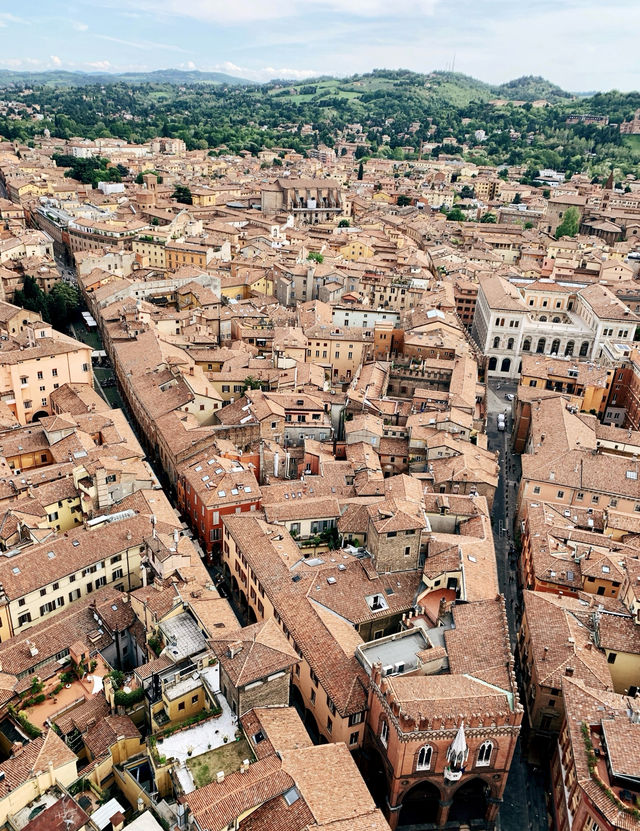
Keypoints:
pixel 244 767
pixel 568 671
pixel 220 777
pixel 235 648
pixel 176 537
pixel 117 821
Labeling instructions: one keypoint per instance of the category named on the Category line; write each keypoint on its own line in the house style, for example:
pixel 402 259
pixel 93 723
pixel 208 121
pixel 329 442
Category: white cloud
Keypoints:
pixel 6 17
pixel 55 60
pixel 100 65
pixel 242 11
pixel 266 73
pixel 78 26
pixel 142 44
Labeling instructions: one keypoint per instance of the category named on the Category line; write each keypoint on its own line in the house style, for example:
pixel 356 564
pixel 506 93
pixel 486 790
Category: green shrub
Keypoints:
pixel 128 699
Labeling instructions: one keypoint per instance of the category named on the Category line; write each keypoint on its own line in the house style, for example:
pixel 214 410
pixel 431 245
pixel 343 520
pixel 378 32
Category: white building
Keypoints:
pixel 547 318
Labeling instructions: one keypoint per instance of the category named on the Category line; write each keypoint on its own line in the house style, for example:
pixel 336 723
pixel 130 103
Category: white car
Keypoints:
pixel 509 396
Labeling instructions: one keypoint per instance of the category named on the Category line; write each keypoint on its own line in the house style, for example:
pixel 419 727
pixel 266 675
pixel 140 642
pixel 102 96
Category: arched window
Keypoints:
pixel 493 363
pixel 510 343
pixel 506 365
pixel 555 346
pixel 568 350
pixel 484 754
pixel 496 343
pixel 526 345
pixel 584 348
pixel 556 319
pixel 541 345
pixel 543 318
pixel 424 757
pixel 384 733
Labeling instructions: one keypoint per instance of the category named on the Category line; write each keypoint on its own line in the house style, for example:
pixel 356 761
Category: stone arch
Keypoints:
pixel 493 363
pixel 40 414
pixel 470 801
pixel 568 350
pixel 496 343
pixel 584 348
pixel 420 804
pixel 555 346
pixel 526 345
pixel 510 343
pixel 505 366
pixel 541 346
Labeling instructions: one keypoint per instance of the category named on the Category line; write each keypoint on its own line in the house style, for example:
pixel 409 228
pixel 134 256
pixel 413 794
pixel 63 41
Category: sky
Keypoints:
pixel 581 45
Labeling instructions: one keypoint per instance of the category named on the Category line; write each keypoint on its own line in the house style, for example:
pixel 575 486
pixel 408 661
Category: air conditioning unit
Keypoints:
pixel 387 670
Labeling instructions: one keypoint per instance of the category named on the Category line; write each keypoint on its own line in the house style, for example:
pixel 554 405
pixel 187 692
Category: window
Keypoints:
pixel 194 699
pixel 611 657
pixel 484 754
pixel 536 489
pixel 560 494
pixel 54 372
pixel 384 733
pixel 39 376
pixel 329 725
pixel 424 758
pixel 25 618
pixel 353 738
pixel 85 367
pixel 181 705
pixel 43 402
pixel 313 696
pixel 356 718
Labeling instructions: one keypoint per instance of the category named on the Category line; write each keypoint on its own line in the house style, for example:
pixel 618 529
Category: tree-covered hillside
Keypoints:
pixel 399 111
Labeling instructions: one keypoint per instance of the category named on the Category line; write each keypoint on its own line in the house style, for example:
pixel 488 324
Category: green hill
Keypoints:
pixel 61 78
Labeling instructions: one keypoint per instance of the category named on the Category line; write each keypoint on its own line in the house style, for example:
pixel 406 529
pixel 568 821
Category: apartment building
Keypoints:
pixel 209 488
pixel 44 579
pixel 35 360
pixel 574 461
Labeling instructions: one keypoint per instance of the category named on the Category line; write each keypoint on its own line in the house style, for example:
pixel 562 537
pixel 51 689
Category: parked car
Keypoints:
pixel 509 396
pixel 501 426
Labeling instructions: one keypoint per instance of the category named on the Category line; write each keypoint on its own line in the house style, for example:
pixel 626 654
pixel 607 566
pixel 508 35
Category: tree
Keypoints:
pixel 467 192
pixel 360 171
pixel 488 218
pixel 570 223
pixel 456 215
pixel 182 194
pixel 503 174
pixel 517 199
pixel 316 256
pixel 344 223
pixel 403 200
pixel 250 383
pixel 63 302
pixel 360 151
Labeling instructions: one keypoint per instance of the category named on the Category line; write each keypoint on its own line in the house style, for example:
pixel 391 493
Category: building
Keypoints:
pixel 35 360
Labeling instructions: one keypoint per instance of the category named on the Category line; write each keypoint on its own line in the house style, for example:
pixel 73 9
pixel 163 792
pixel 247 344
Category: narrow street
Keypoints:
pixel 524 805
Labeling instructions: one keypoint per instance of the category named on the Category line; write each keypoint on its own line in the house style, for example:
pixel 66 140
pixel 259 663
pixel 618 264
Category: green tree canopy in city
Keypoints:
pixel 570 223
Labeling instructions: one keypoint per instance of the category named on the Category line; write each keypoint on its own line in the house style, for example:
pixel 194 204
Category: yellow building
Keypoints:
pixel 151 251
pixel 340 350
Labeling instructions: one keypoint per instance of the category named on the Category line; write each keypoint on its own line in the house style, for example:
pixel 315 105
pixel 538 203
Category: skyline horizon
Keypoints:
pixel 115 72
pixel 569 42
